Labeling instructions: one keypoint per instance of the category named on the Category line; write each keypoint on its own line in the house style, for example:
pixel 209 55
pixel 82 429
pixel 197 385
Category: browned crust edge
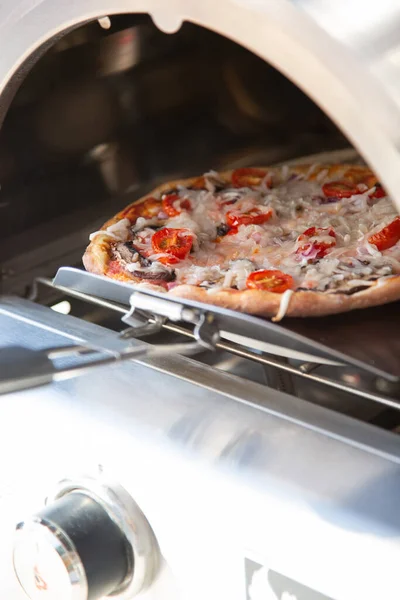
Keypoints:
pixel 256 302
pixel 301 304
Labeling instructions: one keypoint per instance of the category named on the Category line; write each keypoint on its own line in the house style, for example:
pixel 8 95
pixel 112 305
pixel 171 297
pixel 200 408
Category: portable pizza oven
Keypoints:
pixel 161 449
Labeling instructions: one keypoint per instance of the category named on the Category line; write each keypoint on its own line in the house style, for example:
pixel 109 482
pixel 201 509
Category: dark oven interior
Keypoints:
pixel 107 114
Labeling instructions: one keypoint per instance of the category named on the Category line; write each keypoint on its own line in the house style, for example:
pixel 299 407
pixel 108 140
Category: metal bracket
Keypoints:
pixel 205 332
pixel 161 307
pixel 152 325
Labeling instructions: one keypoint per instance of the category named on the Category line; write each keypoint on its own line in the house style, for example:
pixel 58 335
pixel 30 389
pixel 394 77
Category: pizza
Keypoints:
pixel 298 241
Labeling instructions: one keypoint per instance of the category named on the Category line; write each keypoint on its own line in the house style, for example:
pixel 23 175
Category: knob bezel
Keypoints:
pixel 144 561
pixel 63 547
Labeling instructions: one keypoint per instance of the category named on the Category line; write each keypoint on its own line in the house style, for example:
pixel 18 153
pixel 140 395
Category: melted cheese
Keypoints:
pixel 296 204
pixel 284 305
pixel 119 231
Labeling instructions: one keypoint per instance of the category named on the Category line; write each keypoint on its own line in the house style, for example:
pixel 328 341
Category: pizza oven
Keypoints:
pixel 158 448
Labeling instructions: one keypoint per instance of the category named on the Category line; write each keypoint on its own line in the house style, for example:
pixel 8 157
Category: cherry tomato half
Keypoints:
pixel 371 180
pixel 339 189
pixel 147 209
pixel 177 243
pixel 321 247
pixel 386 237
pixel 270 281
pixel 379 192
pixel 173 205
pixel 249 177
pixel 253 217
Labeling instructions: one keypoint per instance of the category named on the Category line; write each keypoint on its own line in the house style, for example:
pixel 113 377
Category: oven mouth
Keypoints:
pixel 35 253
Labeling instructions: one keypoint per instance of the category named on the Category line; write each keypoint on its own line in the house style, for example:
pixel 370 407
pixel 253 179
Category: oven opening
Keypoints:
pixel 105 115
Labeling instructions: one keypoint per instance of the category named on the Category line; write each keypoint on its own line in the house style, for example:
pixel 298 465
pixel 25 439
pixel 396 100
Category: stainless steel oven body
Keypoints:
pixel 265 466
pixel 233 478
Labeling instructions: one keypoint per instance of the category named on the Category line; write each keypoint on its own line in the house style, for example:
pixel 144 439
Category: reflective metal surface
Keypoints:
pixel 330 340
pixel 46 563
pixel 124 511
pixel 241 470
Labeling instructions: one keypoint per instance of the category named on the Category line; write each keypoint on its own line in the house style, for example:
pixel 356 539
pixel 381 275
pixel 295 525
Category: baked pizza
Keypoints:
pixel 301 241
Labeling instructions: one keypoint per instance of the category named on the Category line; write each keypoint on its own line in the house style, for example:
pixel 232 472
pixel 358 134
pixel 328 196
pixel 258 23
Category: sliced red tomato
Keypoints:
pixel 339 189
pixel 177 243
pixel 379 192
pixel 359 175
pixel 253 217
pixel 147 209
pixel 173 205
pixel 371 180
pixel 270 281
pixel 249 177
pixel 316 248
pixel 233 231
pixel 386 237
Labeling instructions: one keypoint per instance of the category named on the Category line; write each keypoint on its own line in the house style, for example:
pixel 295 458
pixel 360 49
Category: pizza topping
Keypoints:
pixel 120 229
pixel 173 205
pixel 334 237
pixel 213 182
pixel 339 189
pixel 141 223
pixel 250 177
pixel 222 229
pixel 386 237
pixel 141 242
pixel 255 216
pixel 93 235
pixel 117 231
pixel 316 242
pixel 126 252
pixel 114 267
pixel 378 192
pixel 270 281
pixel 229 197
pixel 154 275
pixel 174 244
pixel 237 274
pixel 283 306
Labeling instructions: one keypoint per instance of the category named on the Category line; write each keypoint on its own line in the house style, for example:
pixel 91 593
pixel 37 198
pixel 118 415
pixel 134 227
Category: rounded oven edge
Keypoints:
pixel 334 75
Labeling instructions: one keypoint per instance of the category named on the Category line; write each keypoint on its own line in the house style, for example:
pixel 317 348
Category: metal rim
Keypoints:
pixel 65 550
pixel 126 514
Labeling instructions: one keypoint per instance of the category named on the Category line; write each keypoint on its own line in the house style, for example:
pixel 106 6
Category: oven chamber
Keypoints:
pixel 230 475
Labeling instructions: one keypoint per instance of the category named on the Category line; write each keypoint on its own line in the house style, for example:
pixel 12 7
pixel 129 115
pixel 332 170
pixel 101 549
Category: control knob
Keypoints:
pixel 85 545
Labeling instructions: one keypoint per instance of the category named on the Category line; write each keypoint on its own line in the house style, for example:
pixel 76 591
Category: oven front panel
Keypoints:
pixel 229 481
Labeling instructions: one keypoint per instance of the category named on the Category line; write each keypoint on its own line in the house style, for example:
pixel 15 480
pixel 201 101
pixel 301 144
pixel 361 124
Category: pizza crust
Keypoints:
pixel 301 304
pixel 256 302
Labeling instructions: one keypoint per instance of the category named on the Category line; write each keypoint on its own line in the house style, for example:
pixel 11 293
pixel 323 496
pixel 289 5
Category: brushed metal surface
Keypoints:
pixel 334 339
pixel 242 471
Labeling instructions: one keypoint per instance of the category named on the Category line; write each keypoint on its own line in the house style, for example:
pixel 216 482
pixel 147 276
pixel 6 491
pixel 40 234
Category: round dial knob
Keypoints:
pixel 72 550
